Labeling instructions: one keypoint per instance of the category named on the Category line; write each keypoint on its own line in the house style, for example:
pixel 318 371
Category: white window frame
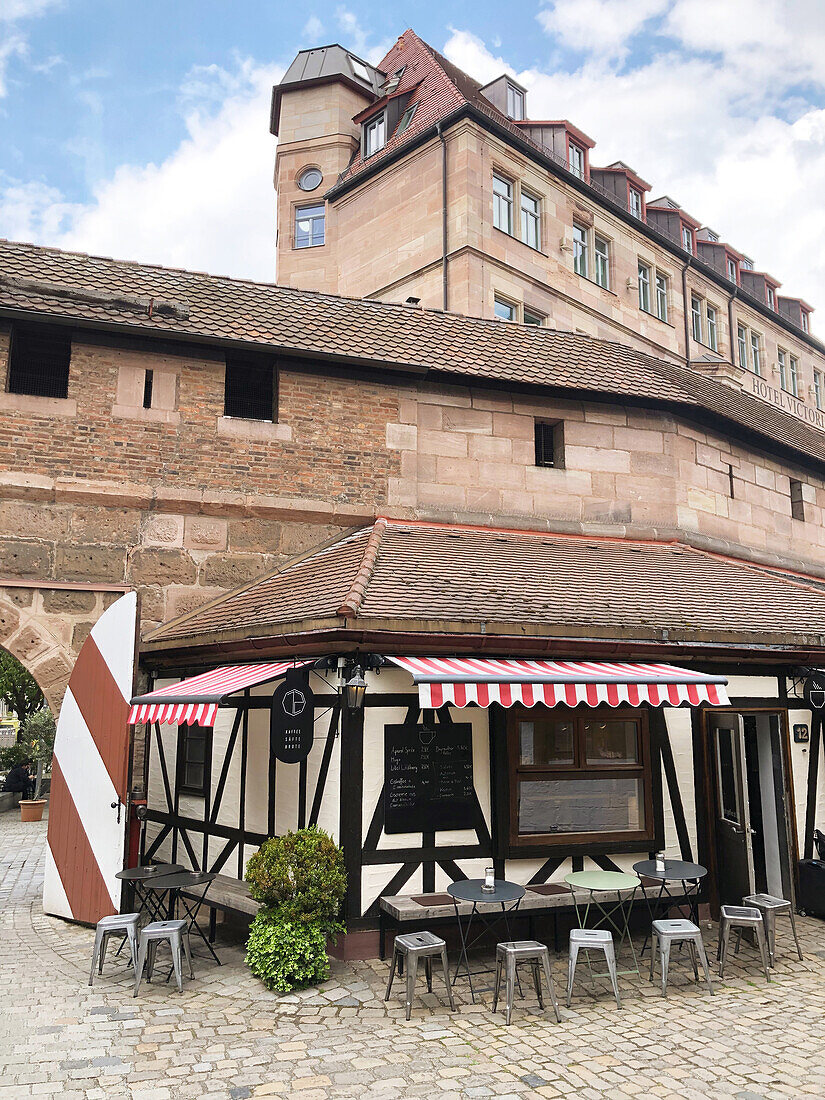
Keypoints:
pixel 742 342
pixel 732 270
pixel 782 360
pixel 661 284
pixel 537 321
pixel 503 204
pixel 575 163
pixel 581 249
pixel 793 365
pixel 375 131
pixel 687 238
pixel 818 389
pixel 635 202
pixel 713 327
pixel 515 102
pixel 756 353
pixel 601 261
pixel 302 212
pixel 505 304
pixel 530 220
pixel 696 318
pixel 643 278
pixel 804 318
pixel 771 297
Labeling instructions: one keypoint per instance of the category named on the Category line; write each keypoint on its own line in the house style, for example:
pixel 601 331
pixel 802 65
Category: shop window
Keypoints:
pixel 194 759
pixel 579 777
pixel 250 391
pixel 39 361
pixel 549 444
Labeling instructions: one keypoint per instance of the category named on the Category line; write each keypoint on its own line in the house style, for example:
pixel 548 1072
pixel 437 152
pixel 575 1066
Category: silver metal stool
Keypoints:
pixel 771 908
pixel 173 932
pixel 592 939
pixel 667 932
pixel 119 924
pixel 508 956
pixel 740 917
pixel 411 947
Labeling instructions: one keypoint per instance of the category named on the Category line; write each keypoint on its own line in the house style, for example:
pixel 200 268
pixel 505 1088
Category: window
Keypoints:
pixel 375 135
pixel 746 264
pixel 194 759
pixel 601 250
pixel 309 179
pixel 530 220
pixel 531 318
pixel 250 389
pixel 579 774
pixel 794 364
pixel 732 270
pixel 502 204
pixel 39 361
pixel 687 238
pixel 661 296
pixel 148 383
pixel 713 341
pixel 504 311
pixel 818 389
pixel 797 502
pixel 580 251
pixel 742 340
pixel 696 317
pixel 771 298
pixel 644 287
pixel 549 444
pixel 309 226
pixel 635 202
pixel 406 118
pixel 359 68
pixel 756 353
pixel 711 236
pixel 515 102
pixel 575 159
pixel 783 369
pixel 804 318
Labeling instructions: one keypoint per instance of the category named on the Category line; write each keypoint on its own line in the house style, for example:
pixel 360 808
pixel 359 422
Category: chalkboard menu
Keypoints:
pixel 428 777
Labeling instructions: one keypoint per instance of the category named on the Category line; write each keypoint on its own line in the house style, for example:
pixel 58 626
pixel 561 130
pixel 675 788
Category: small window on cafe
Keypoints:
pixel 577 776
pixel 194 759
pixel 549 444
pixel 251 388
pixel 39 361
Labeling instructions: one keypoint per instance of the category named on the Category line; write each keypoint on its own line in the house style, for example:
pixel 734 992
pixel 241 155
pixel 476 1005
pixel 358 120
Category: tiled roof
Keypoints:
pixel 192 305
pixel 432 578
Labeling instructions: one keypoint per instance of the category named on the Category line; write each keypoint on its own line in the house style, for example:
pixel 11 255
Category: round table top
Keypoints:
pixel 178 881
pixel 675 869
pixel 151 870
pixel 470 890
pixel 602 880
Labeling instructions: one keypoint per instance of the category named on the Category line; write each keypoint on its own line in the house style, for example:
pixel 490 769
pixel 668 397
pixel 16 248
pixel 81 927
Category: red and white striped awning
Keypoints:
pixel 196 700
pixel 464 681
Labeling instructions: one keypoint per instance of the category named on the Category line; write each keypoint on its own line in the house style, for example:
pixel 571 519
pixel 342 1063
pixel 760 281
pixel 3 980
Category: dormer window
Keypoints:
pixel 804 318
pixel 687 238
pixel 711 236
pixel 746 265
pixel 375 135
pixel 635 202
pixel 360 69
pixel 406 118
pixel 394 80
pixel 771 298
pixel 732 274
pixel 515 102
pixel 575 159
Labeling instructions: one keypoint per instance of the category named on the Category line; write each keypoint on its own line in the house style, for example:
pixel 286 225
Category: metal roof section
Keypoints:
pixel 326 64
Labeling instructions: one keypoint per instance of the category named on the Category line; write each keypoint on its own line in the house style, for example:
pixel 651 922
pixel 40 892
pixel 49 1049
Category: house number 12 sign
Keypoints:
pixel 291 718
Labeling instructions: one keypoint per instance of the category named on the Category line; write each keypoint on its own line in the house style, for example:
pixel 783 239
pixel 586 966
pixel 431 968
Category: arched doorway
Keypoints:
pixel 36 646
pixel 27 731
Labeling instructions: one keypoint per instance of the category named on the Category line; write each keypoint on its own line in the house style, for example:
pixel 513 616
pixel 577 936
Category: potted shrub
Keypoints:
pixel 300 881
pixel 34 745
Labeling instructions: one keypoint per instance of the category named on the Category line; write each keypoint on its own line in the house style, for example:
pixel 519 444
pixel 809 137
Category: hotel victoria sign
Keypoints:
pixel 784 400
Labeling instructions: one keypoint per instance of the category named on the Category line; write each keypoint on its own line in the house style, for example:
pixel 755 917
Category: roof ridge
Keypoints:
pixel 355 597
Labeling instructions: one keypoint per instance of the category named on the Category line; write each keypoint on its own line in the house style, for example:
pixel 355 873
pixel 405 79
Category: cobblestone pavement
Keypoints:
pixel 227 1037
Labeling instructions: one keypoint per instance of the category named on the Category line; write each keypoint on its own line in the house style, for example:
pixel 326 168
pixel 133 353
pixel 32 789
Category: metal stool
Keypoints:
pixel 508 956
pixel 173 932
pixel 667 932
pixel 410 948
pixel 739 917
pixel 592 939
pixel 771 908
pixel 119 924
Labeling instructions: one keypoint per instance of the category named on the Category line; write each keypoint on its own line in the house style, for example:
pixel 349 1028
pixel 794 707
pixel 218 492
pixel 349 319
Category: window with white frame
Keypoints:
pixel 804 319
pixel 756 353
pixel 713 337
pixel 601 253
pixel 309 226
pixel 661 296
pixel 771 298
pixel 732 270
pixel 818 389
pixel 533 318
pixel 575 159
pixel 687 238
pixel 504 310
pixel 580 251
pixel 530 220
pixel 375 135
pixel 742 342
pixel 696 317
pixel 635 202
pixel 793 363
pixel 502 203
pixel 644 287
pixel 515 102
pixel 783 368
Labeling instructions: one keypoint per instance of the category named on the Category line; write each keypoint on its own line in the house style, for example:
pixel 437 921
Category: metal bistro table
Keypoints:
pixel 172 884
pixel 137 877
pixel 676 870
pixel 610 914
pixel 506 894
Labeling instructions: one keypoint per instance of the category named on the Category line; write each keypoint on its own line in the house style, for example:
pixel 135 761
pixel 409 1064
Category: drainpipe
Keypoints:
pixel 730 328
pixel 686 311
pixel 443 217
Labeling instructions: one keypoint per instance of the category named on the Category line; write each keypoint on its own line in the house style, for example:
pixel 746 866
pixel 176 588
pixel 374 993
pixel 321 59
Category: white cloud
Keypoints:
pixel 11 45
pixel 313 29
pixel 14 44
pixel 357 38
pixel 209 206
pixel 725 114
pixel 12 10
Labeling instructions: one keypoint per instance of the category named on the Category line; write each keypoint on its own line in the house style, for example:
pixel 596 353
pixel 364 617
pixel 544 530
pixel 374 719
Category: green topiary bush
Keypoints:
pixel 285 954
pixel 301 876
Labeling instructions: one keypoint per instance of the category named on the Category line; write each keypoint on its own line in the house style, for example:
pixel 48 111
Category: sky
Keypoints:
pixel 140 130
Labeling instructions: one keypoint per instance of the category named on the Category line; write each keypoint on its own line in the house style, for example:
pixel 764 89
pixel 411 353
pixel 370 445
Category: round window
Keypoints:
pixel 309 179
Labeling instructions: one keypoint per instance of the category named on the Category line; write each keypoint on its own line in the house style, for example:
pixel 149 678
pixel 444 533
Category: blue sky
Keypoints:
pixel 140 129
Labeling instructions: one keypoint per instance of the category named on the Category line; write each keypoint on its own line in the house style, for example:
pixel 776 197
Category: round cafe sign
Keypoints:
pixel 814 691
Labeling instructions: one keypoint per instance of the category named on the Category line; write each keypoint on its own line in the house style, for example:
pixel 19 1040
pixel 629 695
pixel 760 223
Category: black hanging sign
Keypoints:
pixel 292 718
pixel 428 777
pixel 814 691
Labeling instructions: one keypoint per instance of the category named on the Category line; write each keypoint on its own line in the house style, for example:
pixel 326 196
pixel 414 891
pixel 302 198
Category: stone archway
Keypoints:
pixel 37 647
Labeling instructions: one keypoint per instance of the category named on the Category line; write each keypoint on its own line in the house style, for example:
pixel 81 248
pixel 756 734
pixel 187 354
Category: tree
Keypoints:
pixel 18 688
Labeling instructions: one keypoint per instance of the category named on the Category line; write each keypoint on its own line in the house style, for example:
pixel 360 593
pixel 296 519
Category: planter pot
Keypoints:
pixel 31 809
